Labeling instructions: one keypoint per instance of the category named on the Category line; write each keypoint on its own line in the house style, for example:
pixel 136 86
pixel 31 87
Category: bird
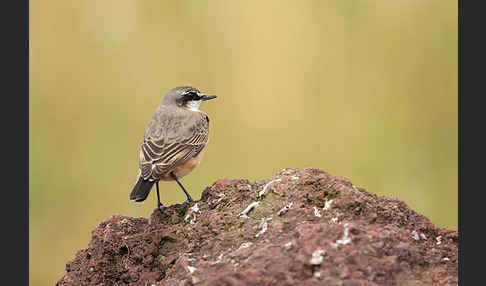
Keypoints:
pixel 173 142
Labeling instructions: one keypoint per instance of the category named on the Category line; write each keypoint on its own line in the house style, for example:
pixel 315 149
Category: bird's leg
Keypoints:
pixel 159 204
pixel 189 199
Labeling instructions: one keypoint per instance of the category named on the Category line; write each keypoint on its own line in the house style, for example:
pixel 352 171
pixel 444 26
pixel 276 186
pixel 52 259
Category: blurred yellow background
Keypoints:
pixel 362 89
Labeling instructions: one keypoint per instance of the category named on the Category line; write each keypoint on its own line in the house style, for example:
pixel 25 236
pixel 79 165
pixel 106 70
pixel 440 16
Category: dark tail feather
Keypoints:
pixel 141 190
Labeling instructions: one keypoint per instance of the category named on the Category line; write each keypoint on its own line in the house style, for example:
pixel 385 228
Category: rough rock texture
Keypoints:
pixel 306 227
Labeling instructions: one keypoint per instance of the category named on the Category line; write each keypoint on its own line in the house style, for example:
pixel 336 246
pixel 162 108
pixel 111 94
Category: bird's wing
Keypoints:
pixel 158 156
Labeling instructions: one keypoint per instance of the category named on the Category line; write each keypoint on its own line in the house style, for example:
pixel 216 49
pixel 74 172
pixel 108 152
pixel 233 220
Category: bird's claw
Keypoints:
pixel 188 201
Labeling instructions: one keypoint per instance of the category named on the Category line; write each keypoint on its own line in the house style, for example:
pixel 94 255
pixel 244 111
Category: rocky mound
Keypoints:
pixel 301 227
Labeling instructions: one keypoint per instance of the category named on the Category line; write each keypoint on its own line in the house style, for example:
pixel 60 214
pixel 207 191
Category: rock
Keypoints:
pixel 358 239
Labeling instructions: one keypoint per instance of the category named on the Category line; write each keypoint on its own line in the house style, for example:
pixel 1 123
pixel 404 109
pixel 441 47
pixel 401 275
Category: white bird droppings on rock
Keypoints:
pixel 195 208
pixel 438 239
pixel 245 245
pixel 327 205
pixel 415 235
pixel 264 226
pixel 337 218
pixel 191 269
pixel 217 201
pixel 285 209
pixel 317 257
pixel 345 239
pixel 248 209
pixel 192 212
pixel 288 245
pixel 262 192
pixel 317 213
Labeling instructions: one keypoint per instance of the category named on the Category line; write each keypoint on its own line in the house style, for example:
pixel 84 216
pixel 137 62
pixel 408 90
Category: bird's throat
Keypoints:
pixel 193 105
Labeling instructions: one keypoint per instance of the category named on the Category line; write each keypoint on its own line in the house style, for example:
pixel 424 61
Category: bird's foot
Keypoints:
pixel 160 207
pixel 189 200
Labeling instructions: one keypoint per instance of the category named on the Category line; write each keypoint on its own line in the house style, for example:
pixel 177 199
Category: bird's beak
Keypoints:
pixel 205 97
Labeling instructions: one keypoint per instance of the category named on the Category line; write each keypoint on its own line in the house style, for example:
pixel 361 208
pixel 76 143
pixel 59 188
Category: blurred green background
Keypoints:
pixel 362 89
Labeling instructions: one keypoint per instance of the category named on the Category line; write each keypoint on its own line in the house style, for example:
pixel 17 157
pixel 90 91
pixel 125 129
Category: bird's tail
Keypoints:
pixel 141 190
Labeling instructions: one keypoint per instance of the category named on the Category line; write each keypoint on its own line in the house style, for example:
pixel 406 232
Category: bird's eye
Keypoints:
pixel 192 95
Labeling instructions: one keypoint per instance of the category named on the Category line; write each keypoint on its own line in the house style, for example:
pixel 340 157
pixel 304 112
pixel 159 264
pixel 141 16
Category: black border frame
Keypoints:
pixel 15 131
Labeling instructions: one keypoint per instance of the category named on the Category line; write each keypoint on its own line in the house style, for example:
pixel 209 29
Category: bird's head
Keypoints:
pixel 186 97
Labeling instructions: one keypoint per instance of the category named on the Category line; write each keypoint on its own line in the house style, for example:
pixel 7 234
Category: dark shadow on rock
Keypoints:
pixel 301 227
